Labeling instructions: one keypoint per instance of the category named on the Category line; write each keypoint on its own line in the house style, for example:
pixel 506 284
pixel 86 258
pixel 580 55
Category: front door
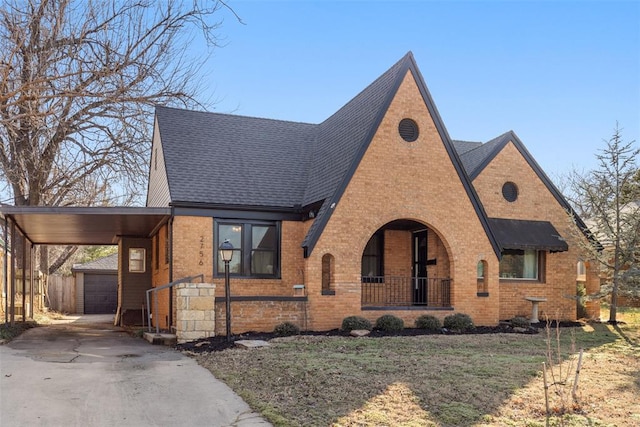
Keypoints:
pixel 419 267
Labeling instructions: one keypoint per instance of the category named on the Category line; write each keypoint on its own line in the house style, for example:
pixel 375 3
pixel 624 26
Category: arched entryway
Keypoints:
pixel 405 264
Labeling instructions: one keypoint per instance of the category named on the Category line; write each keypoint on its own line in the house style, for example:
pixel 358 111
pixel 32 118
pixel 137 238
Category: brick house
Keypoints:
pixel 374 211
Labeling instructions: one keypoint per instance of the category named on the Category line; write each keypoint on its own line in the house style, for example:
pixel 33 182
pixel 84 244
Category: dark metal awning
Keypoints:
pixel 521 234
pixel 84 225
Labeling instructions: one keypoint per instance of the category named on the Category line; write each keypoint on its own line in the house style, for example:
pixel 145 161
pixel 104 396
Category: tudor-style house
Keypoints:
pixel 374 211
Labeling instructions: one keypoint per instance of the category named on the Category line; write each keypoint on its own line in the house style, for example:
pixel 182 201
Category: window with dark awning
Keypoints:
pixel 521 234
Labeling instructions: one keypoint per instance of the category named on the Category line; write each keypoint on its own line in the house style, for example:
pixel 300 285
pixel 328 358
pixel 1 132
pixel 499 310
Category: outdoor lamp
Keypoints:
pixel 226 253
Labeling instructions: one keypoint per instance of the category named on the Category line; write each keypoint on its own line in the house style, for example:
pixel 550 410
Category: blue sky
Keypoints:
pixel 560 74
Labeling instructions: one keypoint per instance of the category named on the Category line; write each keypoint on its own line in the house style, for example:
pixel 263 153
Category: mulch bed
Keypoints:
pixel 220 343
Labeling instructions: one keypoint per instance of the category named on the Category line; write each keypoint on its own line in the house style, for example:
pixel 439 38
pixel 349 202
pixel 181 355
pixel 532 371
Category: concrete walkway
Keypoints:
pixel 83 371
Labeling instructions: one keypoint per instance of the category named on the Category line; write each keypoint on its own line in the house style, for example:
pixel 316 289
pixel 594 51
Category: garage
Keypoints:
pixel 97 286
pixel 100 293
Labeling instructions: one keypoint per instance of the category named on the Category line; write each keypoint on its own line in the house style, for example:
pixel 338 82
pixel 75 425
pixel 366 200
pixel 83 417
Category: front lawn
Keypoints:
pixel 438 380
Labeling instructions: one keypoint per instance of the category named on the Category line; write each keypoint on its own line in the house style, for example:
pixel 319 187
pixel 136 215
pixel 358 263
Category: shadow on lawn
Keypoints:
pixel 455 382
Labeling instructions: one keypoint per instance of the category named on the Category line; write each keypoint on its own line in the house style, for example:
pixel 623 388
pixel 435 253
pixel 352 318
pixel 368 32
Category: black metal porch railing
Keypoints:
pixel 405 291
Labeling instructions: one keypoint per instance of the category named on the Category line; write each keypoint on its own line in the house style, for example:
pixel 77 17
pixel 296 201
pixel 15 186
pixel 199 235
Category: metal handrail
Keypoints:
pixel 159 288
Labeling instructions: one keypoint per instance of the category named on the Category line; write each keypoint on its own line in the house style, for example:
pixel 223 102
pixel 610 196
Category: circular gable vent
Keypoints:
pixel 408 130
pixel 510 192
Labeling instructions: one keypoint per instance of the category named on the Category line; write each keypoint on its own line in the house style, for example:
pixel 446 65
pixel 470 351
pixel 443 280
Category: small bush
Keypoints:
pixel 428 322
pixel 458 322
pixel 519 322
pixel 286 329
pixel 389 323
pixel 353 323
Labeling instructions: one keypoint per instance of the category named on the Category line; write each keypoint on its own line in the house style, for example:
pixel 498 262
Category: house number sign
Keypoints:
pixel 201 253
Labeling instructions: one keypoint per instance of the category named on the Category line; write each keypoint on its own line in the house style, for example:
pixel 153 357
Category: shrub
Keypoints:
pixel 519 322
pixel 286 329
pixel 389 323
pixel 428 322
pixel 458 322
pixel 352 323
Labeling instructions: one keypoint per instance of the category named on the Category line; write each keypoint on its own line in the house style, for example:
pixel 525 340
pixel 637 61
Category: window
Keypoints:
pixel 372 259
pixel 482 278
pixel 256 247
pixel 520 264
pixel 137 260
pixel 581 271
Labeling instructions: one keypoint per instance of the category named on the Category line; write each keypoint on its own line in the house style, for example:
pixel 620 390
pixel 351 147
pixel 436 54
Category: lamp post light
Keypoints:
pixel 226 253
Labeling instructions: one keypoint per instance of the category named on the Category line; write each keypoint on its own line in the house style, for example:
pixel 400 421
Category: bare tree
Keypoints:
pixel 78 82
pixel 608 199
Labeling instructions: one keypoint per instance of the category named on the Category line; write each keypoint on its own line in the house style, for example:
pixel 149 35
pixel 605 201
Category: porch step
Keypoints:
pixel 161 339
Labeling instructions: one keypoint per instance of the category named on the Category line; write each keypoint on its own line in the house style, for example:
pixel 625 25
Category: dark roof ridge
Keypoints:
pixel 368 87
pixel 476 159
pixel 332 195
pixel 510 136
pixel 406 64
pixel 187 110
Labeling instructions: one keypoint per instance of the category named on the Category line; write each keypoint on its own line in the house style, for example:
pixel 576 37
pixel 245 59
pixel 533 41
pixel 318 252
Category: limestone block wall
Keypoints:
pixel 195 314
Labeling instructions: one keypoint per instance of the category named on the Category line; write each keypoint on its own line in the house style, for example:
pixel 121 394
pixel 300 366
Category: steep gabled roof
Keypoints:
pixel 223 160
pixel 375 100
pixel 477 159
pixel 230 160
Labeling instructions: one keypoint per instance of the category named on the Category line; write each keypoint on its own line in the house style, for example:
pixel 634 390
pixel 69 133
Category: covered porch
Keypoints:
pixel 405 265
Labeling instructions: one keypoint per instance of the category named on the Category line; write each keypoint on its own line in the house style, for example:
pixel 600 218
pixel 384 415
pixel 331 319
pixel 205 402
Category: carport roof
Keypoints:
pixel 84 225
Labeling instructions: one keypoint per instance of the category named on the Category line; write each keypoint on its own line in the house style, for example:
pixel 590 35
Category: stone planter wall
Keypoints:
pixel 195 314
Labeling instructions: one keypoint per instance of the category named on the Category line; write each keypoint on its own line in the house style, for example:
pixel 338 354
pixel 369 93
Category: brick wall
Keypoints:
pixel 260 316
pixel 534 202
pixel 400 180
pixel 395 180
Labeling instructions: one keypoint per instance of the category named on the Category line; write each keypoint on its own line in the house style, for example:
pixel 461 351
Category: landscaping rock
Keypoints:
pixel 359 333
pixel 251 343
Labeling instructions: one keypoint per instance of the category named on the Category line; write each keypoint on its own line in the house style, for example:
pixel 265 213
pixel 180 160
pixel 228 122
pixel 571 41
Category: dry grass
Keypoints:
pixel 437 380
pixel 9 332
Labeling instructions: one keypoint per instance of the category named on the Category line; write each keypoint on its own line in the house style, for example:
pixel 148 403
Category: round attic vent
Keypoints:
pixel 408 130
pixel 510 191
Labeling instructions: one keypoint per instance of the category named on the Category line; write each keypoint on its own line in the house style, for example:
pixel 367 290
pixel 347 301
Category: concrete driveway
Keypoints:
pixel 85 372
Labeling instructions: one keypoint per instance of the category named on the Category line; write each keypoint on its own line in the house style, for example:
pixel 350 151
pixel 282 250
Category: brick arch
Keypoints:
pixel 374 227
pixel 404 263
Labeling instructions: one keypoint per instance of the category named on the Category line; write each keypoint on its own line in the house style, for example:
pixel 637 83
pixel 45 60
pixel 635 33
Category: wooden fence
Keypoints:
pixel 61 293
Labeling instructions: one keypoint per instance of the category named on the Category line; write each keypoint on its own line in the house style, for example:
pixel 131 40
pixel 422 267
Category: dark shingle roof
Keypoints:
pixel 477 158
pixel 464 146
pixel 108 263
pixel 234 160
pixel 226 160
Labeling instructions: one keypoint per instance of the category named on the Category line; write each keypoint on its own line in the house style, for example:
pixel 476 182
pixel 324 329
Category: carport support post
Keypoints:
pixel 13 273
pixel 5 285
pixel 32 280
pixel 24 279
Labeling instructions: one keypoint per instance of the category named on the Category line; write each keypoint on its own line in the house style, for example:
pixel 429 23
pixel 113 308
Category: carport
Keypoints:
pixel 40 225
